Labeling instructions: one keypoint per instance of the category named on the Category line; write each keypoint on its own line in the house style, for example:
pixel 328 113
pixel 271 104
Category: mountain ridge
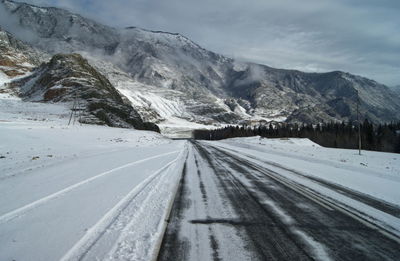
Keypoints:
pixel 210 87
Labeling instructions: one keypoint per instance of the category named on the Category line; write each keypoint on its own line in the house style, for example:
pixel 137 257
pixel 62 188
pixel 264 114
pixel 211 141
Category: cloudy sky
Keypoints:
pixel 357 36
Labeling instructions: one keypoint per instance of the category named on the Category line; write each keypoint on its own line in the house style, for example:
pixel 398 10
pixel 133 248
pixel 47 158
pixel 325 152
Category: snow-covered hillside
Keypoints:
pixel 17 59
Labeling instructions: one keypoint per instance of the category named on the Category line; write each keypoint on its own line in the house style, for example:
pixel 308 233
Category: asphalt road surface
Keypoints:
pixel 228 208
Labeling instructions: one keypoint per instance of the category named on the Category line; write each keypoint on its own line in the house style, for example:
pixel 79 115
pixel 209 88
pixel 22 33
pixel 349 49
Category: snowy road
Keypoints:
pixel 84 209
pixel 106 193
pixel 229 207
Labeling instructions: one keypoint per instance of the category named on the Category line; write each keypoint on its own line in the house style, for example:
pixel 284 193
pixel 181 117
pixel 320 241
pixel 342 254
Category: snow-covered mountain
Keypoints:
pixel 69 78
pixel 396 89
pixel 65 78
pixel 16 58
pixel 172 81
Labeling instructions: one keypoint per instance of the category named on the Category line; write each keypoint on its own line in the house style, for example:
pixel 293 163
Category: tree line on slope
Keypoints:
pixel 382 137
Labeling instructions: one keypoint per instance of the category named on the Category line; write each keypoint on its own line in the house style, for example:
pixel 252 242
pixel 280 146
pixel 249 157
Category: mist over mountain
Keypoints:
pixel 396 89
pixel 172 81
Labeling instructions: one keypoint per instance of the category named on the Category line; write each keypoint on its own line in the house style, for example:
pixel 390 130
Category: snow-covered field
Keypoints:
pixel 76 191
pixel 380 163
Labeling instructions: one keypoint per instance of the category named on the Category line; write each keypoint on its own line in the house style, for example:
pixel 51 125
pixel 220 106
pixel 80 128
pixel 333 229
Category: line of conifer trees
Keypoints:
pixel 382 137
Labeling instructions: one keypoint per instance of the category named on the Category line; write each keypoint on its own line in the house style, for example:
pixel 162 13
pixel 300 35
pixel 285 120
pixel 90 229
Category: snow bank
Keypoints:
pixel 275 142
pixel 379 163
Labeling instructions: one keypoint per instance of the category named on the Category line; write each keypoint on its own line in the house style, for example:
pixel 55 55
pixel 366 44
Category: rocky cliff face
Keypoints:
pixel 16 58
pixel 166 76
pixel 70 78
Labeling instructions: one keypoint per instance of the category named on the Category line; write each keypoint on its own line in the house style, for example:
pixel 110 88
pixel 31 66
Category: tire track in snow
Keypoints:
pixel 19 211
pixel 283 245
pixel 389 236
pixel 384 228
pixel 379 204
pixel 84 245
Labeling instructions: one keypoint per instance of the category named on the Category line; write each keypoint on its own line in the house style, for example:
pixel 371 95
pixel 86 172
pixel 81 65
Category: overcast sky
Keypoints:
pixel 357 36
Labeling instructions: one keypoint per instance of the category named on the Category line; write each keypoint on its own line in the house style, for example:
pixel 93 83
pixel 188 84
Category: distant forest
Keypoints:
pixel 382 137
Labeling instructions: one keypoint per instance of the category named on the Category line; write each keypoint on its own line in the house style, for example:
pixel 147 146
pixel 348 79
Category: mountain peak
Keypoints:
pixel 153 31
pixel 13 5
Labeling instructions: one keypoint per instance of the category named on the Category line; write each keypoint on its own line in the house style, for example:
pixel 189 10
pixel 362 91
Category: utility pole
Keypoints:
pixel 359 124
pixel 80 113
pixel 72 111
pixel 76 107
pixel 76 111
